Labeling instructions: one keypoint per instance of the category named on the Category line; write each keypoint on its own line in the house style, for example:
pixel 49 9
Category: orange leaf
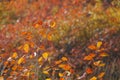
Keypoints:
pixel 65 66
pixel 31 56
pixel 14 67
pixel 101 74
pixel 5 71
pixel 14 55
pixel 97 63
pixel 42 47
pixel 6 63
pixel 49 37
pixel 99 44
pixel 92 47
pixel 1 78
pixel 62 79
pixel 93 78
pixel 58 62
pixel 90 56
pixel 64 59
pixel 89 71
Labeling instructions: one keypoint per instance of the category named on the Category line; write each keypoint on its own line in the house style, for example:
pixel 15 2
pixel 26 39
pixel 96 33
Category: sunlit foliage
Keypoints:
pixel 59 39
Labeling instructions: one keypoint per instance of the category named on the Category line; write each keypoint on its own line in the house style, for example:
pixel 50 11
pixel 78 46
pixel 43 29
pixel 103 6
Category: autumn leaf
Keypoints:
pixel 20 47
pixel 31 56
pixel 36 25
pixel 99 44
pixel 40 59
pixel 58 62
pixel 64 59
pixel 48 79
pixel 46 68
pixel 45 72
pixel 1 78
pixel 93 78
pixel 20 60
pixel 92 47
pixel 60 74
pixel 14 67
pixel 90 56
pixel 89 71
pixel 103 54
pixel 102 64
pixel 49 36
pixel 23 33
pixel 15 55
pixel 65 66
pixel 62 79
pixel 5 71
pixel 99 63
pixel 101 75
pixel 26 48
pixel 45 55
pixel 42 47
pixel 6 63
pixel 71 70
pixel 52 24
pixel 28 73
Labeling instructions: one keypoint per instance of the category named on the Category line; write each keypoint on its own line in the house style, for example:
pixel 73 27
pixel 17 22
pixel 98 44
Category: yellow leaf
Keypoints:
pixel 40 59
pixel 102 64
pixel 101 74
pixel 64 59
pixel 103 54
pixel 45 72
pixel 93 78
pixel 48 79
pixel 52 24
pixel 28 74
pixel 20 60
pixel 26 48
pixel 45 55
pixel 45 68
pixel 99 44
pixel 60 74
pixel 14 55
pixel 1 78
